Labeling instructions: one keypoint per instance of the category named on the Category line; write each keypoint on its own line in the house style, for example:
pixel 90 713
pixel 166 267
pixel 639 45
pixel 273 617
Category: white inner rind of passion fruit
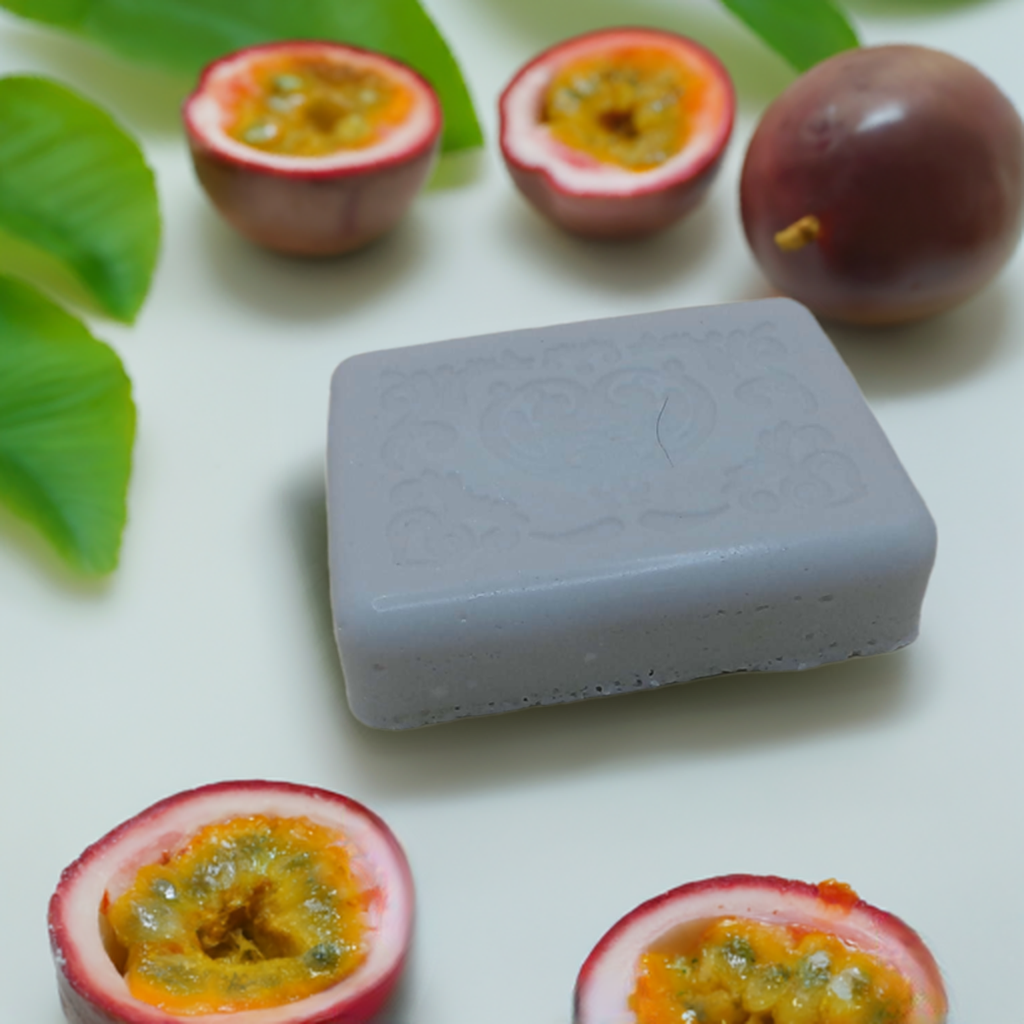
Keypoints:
pixel 210 111
pixel 375 861
pixel 529 141
pixel 603 995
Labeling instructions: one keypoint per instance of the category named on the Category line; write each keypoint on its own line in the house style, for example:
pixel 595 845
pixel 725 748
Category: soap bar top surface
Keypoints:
pixel 614 456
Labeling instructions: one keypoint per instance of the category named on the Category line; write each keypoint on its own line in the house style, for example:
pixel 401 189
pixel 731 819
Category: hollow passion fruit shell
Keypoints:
pixel 248 902
pixel 618 133
pixel 884 185
pixel 312 148
pixel 743 949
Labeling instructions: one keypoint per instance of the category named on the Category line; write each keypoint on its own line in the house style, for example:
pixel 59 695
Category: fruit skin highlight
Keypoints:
pixel 885 185
pixel 608 976
pixel 594 198
pixel 93 991
pixel 310 205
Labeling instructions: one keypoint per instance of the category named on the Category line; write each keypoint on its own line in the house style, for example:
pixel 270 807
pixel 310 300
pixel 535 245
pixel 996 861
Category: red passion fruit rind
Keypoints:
pixel 678 919
pixel 593 194
pixel 94 991
pixel 316 202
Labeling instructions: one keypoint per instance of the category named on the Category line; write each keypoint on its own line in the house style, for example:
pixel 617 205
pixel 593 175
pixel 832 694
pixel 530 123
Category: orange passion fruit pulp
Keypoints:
pixel 618 133
pixel 312 148
pixel 272 903
pixel 743 949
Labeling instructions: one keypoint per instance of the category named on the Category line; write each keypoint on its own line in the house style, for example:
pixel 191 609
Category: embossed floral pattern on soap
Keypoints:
pixel 622 425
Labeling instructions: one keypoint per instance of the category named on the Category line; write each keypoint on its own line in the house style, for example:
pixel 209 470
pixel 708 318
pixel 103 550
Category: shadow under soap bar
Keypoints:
pixel 554 514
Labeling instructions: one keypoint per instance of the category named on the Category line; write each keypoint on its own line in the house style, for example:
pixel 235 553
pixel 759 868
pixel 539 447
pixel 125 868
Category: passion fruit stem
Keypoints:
pixel 800 233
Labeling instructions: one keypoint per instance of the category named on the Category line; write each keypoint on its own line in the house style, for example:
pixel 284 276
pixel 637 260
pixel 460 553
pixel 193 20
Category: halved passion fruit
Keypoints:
pixel 743 949
pixel 268 902
pixel 618 133
pixel 312 148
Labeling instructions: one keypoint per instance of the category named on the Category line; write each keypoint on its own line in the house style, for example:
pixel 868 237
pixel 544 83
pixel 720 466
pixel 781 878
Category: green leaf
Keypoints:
pixel 802 32
pixel 185 35
pixel 76 185
pixel 67 422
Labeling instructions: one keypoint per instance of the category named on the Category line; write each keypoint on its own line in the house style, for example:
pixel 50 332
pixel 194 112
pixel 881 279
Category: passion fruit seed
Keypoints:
pixel 623 108
pixel 287 83
pixel 315 108
pixel 260 133
pixel 253 912
pixel 747 972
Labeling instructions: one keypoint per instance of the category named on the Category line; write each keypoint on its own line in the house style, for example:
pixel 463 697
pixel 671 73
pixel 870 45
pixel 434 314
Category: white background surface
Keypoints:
pixel 209 654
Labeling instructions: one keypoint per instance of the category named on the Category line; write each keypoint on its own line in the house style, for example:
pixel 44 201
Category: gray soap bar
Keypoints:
pixel 555 514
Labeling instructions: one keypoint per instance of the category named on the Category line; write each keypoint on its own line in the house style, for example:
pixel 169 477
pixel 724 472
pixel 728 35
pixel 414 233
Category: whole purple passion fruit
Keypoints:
pixel 617 133
pixel 885 185
pixel 312 148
